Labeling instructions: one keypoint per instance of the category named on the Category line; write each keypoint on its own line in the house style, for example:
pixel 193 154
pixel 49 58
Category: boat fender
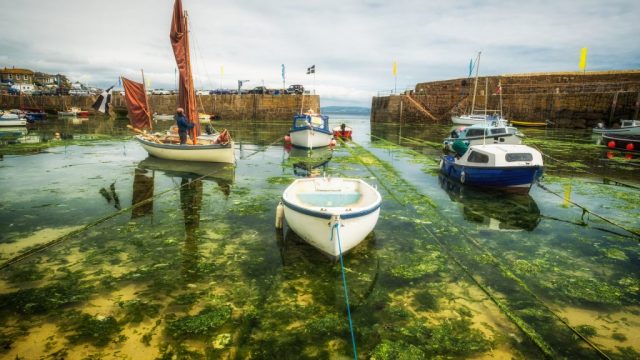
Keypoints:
pixel 279 215
pixel 462 177
pixel 611 144
pixel 630 146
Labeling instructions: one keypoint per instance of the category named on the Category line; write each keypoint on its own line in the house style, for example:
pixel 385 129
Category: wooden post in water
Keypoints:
pixel 613 107
pixel 400 128
pixel 635 113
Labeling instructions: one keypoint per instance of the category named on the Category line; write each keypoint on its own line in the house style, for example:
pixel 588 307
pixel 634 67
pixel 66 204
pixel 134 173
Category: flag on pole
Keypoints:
pixel 311 69
pixel 499 88
pixel 395 68
pixel 470 67
pixel 103 101
pixel 583 59
pixel 221 70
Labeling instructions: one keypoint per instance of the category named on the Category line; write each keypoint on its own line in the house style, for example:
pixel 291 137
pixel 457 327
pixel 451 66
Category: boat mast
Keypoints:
pixel 146 100
pixel 475 83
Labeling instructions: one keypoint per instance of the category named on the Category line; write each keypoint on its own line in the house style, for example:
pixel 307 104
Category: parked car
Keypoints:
pixel 260 90
pixel 295 89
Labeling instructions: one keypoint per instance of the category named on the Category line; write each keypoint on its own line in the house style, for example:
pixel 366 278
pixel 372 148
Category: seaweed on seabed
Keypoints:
pixel 66 290
pixel 202 324
pixel 136 310
pixel 97 330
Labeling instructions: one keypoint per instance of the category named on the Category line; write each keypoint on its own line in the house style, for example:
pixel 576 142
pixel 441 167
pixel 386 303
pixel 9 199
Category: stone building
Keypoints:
pixel 16 76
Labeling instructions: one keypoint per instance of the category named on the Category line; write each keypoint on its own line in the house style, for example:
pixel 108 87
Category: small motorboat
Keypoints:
pixel 12 120
pixel 627 127
pixel 622 141
pixel 494 132
pixel 74 111
pixel 506 167
pixel 342 131
pixel 310 131
pixel 331 214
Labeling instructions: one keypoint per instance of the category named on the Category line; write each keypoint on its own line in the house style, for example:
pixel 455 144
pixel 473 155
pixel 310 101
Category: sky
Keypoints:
pixel 353 44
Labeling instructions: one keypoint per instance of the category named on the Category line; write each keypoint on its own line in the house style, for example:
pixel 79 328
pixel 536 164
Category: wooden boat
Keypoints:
pixel 331 214
pixel 495 132
pixel 216 147
pixel 627 127
pixel 500 166
pixel 310 130
pixel 622 141
pixel 528 123
pixel 342 131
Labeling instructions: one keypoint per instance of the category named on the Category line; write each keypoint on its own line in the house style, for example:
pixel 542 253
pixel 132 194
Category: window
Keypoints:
pixel 519 157
pixel 10 76
pixel 498 131
pixel 475 132
pixel 477 157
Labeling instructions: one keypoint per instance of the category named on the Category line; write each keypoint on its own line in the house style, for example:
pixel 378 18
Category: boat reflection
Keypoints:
pixel 192 177
pixel 310 163
pixel 11 134
pixel 498 211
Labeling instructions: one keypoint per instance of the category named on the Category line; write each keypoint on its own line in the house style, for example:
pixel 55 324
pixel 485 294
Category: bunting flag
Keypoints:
pixel 583 59
pixel 395 68
pixel 103 101
pixel 311 69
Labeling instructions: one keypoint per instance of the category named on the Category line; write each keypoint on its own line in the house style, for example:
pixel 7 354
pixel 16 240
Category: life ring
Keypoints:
pixel 462 177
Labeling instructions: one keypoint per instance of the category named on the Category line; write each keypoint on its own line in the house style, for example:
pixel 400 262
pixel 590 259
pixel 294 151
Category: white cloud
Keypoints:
pixel 352 43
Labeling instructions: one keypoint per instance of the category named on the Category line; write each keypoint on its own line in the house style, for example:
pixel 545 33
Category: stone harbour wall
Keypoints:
pixel 231 107
pixel 568 99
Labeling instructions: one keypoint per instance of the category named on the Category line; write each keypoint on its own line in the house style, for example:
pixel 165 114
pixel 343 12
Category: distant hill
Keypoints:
pixel 352 110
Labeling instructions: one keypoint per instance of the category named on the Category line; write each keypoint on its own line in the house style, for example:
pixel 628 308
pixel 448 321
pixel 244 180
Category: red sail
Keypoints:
pixel 136 98
pixel 179 36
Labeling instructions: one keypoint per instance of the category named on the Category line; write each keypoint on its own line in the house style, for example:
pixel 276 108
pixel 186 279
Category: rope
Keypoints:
pixel 346 291
pixel 585 210
pixel 545 348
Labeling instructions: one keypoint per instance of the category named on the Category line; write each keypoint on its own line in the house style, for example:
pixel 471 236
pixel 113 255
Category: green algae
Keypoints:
pixel 96 330
pixel 135 311
pixel 204 323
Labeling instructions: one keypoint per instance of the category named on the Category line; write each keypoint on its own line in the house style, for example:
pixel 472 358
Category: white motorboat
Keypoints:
pixel 627 127
pixel 494 132
pixel 310 131
pixel 332 214
pixel 9 119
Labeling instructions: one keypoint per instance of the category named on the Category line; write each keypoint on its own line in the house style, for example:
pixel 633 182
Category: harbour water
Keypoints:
pixel 125 256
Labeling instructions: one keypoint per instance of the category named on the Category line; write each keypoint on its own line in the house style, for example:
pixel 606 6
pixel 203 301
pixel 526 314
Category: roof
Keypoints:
pixel 16 71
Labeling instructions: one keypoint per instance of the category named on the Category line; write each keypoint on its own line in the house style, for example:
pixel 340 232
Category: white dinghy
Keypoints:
pixel 331 214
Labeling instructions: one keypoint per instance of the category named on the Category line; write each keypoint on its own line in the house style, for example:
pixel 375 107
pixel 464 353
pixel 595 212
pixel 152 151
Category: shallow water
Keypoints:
pixel 151 259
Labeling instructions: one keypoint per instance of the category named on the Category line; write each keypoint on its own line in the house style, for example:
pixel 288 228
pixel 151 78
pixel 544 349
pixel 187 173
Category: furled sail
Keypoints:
pixel 179 36
pixel 136 99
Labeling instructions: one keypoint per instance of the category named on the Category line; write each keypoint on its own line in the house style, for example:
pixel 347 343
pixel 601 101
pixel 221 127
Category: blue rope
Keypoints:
pixel 346 292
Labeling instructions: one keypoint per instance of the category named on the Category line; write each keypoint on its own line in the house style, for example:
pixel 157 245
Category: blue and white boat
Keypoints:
pixel 500 166
pixel 310 131
pixel 331 214
pixel 490 132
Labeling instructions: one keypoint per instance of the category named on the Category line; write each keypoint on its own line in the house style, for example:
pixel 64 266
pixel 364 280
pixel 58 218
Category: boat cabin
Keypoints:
pixel 501 155
pixel 305 121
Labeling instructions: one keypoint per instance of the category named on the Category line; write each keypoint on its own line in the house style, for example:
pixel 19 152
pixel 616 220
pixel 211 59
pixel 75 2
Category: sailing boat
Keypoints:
pixel 216 147
pixel 473 117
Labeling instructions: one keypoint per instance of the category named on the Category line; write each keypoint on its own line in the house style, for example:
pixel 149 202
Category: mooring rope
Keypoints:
pixel 519 322
pixel 585 210
pixel 346 290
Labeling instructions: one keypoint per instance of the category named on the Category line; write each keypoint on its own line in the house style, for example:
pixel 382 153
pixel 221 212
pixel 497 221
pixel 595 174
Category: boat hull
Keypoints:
pixel 473 119
pixel 13 122
pixel 310 139
pixel 515 179
pixel 204 153
pixel 348 208
pixel 622 141
pixel 632 130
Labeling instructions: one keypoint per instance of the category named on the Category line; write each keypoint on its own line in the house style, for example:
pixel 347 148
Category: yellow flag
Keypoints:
pixel 222 70
pixel 395 68
pixel 583 59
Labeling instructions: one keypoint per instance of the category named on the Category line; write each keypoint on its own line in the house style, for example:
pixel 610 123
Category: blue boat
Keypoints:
pixel 310 131
pixel 504 167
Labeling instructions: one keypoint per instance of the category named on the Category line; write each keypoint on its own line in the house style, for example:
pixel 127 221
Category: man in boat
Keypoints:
pixel 183 125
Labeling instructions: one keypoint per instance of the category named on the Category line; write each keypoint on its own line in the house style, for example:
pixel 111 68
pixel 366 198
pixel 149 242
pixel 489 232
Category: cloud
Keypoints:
pixel 352 43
